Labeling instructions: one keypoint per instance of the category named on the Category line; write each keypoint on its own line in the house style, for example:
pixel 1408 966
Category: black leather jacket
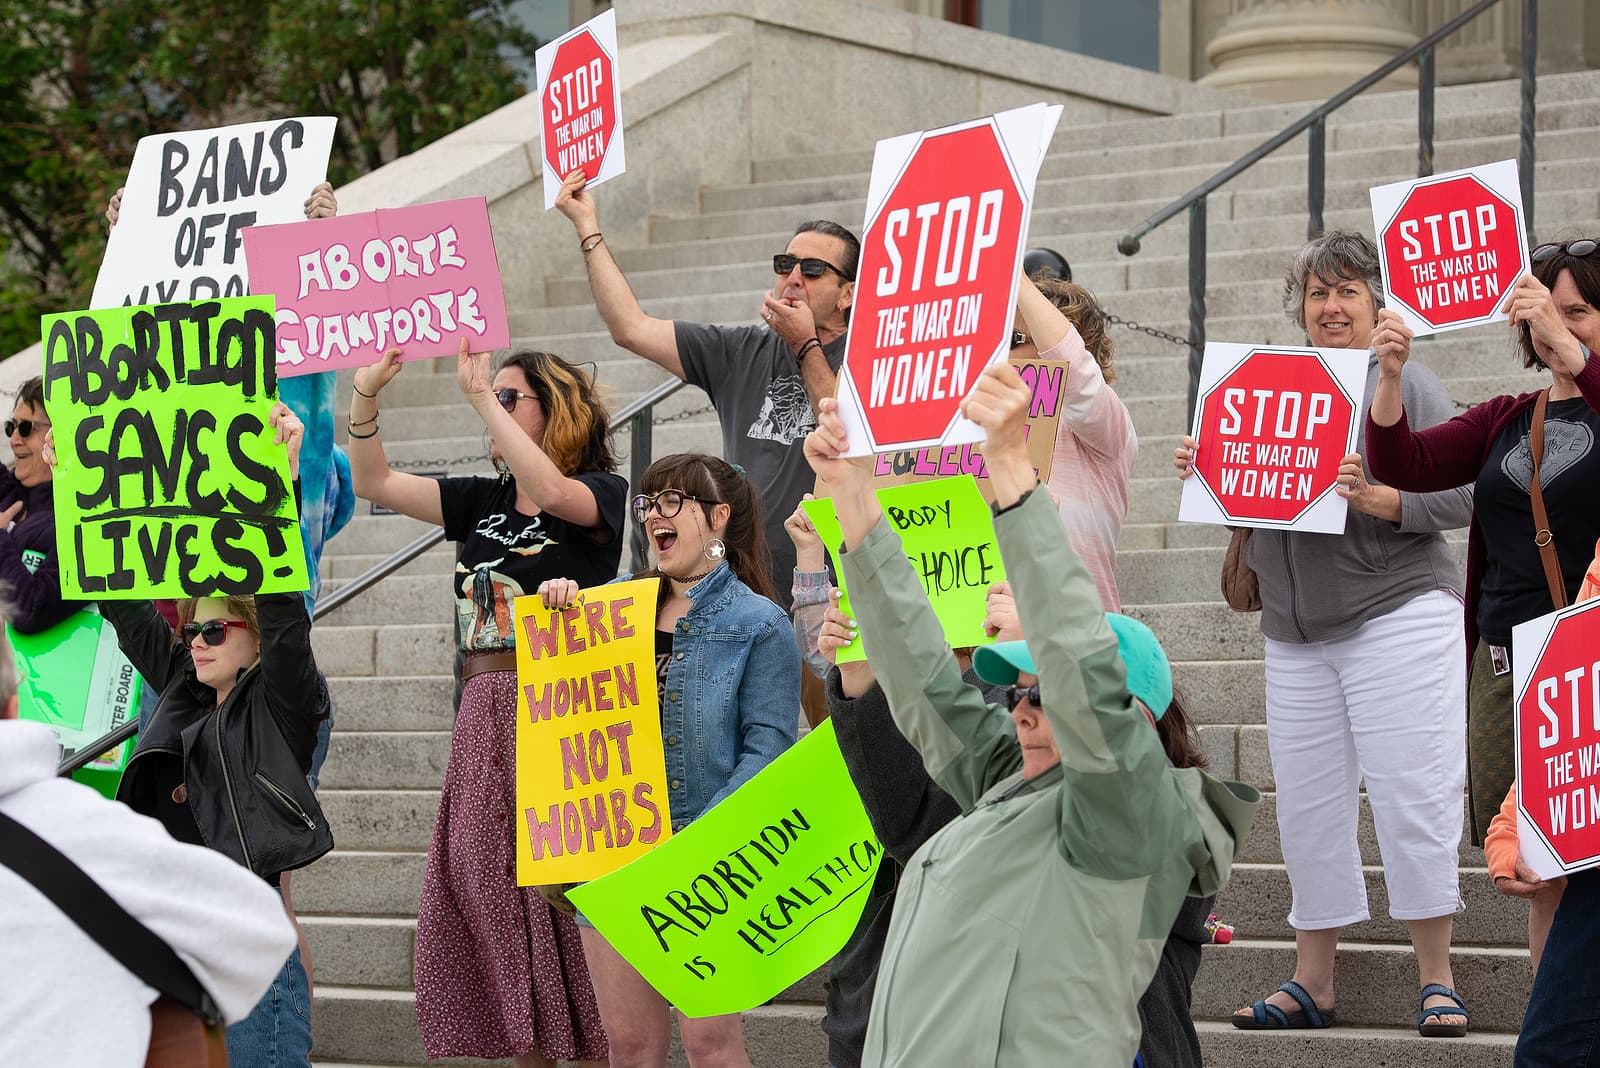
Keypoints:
pixel 242 765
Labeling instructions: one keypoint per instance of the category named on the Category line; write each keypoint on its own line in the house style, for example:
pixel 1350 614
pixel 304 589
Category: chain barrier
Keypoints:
pixel 1159 335
pixel 687 413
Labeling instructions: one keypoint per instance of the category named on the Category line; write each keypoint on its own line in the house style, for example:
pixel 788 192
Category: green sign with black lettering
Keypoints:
pixel 168 481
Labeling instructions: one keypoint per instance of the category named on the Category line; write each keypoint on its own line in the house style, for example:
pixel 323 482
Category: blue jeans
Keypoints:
pixel 320 753
pixel 277 1033
pixel 1562 1027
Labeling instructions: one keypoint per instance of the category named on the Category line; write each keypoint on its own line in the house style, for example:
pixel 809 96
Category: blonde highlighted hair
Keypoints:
pixel 577 435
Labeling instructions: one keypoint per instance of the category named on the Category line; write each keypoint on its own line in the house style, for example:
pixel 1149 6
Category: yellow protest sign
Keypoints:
pixel 591 774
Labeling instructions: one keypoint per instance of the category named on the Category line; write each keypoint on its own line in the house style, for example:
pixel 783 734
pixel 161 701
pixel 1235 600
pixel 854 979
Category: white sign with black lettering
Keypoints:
pixel 189 197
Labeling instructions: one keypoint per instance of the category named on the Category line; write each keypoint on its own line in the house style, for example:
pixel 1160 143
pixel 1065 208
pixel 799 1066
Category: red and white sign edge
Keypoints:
pixel 1327 515
pixel 1501 177
pixel 1026 133
pixel 604 28
pixel 1527 649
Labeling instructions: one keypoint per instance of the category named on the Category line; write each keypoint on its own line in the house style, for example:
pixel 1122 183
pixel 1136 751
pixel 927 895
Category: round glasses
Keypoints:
pixel 1577 249
pixel 213 631
pixel 667 503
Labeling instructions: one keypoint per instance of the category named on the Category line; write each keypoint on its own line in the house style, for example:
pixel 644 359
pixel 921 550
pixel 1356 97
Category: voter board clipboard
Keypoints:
pixel 74 679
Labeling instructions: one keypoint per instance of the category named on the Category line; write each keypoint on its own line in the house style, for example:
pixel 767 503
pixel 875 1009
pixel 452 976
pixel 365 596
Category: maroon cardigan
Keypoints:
pixel 1451 454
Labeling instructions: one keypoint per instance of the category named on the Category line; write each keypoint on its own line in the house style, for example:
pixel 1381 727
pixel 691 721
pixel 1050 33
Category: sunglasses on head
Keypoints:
pixel 25 427
pixel 1577 249
pixel 1018 339
pixel 667 503
pixel 1015 695
pixel 810 266
pixel 509 397
pixel 214 631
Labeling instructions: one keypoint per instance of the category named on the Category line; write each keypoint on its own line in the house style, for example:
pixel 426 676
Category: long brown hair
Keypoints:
pixel 577 437
pixel 715 481
pixel 1178 736
pixel 1083 311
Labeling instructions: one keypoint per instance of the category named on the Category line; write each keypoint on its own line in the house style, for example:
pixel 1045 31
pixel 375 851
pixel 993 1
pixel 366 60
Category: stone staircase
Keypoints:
pixel 388 653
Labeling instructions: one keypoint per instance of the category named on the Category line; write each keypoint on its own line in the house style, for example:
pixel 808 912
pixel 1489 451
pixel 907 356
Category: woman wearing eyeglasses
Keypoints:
pixel 729 676
pixel 28 566
pixel 222 759
pixel 499 973
pixel 1497 445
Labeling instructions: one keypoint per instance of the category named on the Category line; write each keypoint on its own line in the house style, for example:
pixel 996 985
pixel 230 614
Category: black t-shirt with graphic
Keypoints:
pixel 504 554
pixel 1514 587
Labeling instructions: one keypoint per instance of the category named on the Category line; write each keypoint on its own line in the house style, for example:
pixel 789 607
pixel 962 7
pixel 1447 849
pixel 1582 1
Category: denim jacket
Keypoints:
pixel 731 701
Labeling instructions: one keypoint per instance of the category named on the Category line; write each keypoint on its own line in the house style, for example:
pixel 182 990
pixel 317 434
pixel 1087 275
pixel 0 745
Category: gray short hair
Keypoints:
pixel 1333 257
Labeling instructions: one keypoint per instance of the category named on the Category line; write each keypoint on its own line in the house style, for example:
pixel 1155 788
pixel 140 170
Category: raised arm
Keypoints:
pixel 370 473
pixel 295 692
pixel 1090 408
pixel 147 641
pixel 629 326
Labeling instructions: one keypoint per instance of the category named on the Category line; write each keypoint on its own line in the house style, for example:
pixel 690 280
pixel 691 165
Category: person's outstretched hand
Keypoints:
pixel 291 433
pixel 371 379
pixel 577 204
pixel 826 445
pixel 114 208
pixel 999 404
pixel 809 552
pixel 321 204
pixel 472 373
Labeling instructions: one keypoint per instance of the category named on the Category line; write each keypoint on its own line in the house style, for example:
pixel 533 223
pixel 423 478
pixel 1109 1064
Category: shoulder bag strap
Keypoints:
pixel 87 904
pixel 1541 520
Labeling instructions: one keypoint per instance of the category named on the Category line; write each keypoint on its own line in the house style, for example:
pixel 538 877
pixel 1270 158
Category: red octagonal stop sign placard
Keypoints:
pixel 580 104
pixel 1557 672
pixel 935 294
pixel 1273 425
pixel 1451 245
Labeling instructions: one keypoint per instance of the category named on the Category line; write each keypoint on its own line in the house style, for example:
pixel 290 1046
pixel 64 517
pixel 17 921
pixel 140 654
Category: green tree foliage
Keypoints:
pixel 83 81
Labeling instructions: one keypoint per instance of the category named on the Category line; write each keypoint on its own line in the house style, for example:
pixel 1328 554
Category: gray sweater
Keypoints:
pixel 1318 587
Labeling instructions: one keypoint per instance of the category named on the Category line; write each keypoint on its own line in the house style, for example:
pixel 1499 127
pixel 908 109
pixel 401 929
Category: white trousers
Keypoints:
pixel 1387 704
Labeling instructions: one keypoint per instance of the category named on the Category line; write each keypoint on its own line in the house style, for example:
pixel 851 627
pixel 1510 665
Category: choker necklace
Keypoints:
pixel 690 579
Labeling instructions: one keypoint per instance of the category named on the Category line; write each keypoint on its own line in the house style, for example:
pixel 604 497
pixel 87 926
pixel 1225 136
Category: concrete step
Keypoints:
pixel 349 883
pixel 386 760
pixel 1263 846
pixel 393 702
pixel 1376 983
pixel 396 649
pixel 1256 901
pixel 1370 1047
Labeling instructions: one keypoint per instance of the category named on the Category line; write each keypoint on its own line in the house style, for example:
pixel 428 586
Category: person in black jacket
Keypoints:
pixel 222 760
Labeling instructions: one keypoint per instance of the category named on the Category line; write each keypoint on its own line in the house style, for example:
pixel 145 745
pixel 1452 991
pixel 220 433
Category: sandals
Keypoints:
pixel 1435 1029
pixel 1268 1017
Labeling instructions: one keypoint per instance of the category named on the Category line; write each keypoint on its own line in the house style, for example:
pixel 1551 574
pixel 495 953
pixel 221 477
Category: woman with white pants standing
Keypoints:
pixel 1366 680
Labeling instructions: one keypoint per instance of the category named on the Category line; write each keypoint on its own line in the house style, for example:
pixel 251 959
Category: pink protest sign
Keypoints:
pixel 350 287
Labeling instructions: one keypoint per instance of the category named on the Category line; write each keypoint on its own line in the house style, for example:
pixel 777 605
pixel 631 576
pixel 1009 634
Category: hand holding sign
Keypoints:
pixel 290 432
pixel 1530 302
pixel 825 449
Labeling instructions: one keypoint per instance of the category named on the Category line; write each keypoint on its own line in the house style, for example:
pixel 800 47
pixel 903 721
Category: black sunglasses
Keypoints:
pixel 668 503
pixel 810 266
pixel 1016 694
pixel 508 397
pixel 214 631
pixel 1576 249
pixel 25 427
pixel 1018 339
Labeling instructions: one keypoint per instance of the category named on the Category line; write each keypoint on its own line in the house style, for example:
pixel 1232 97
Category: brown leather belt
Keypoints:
pixel 478 663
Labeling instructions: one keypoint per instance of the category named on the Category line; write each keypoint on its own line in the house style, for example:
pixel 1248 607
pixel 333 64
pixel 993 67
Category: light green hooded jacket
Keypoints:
pixel 1026 930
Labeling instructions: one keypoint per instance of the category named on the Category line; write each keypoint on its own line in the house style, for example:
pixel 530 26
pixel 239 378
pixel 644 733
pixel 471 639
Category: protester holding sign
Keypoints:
pixel 28 564
pixel 763 379
pixel 556 509
pixel 1356 627
pixel 222 761
pixel 729 680
pixel 1061 868
pixel 1095 444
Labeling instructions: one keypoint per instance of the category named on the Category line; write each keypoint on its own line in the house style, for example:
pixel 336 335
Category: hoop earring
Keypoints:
pixel 715 550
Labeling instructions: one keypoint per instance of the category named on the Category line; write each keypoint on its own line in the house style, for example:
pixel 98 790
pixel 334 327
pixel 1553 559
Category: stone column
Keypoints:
pixel 1309 49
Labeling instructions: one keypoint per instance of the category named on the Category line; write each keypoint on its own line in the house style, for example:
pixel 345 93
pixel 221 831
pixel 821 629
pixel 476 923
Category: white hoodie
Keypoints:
pixel 63 1000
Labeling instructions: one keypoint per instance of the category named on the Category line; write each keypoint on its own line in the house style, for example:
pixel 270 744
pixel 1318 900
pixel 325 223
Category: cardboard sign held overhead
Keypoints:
pixel 1272 424
pixel 1557 686
pixel 947 531
pixel 1451 245
pixel 168 481
pixel 580 105
pixel 1046 379
pixel 752 896
pixel 591 770
pixel 189 198
pixel 941 247
pixel 350 287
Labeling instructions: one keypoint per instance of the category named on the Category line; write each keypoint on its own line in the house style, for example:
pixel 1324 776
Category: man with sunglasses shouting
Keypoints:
pixel 764 379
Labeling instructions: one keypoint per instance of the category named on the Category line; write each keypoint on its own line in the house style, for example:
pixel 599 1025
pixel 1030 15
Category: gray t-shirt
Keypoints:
pixel 750 374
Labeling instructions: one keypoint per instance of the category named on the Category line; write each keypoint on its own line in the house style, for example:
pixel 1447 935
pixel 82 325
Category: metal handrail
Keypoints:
pixel 1315 121
pixel 638 413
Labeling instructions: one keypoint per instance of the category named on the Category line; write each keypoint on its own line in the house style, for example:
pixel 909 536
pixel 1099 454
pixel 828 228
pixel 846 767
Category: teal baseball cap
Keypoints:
pixel 1149 672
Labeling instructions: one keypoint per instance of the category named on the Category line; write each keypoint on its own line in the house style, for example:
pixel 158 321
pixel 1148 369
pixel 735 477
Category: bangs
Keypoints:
pixel 685 472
